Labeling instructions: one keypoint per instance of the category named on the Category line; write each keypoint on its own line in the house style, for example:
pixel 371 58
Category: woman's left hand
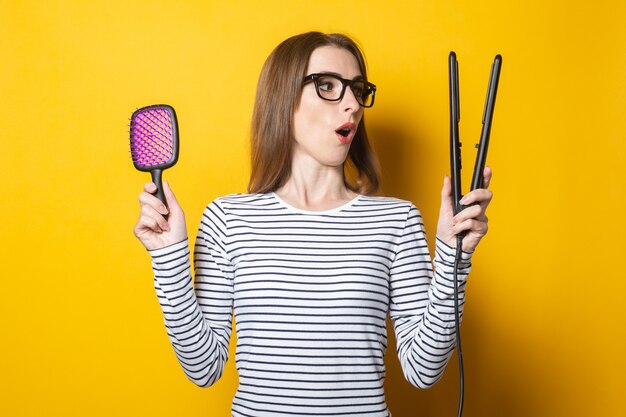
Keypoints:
pixel 472 219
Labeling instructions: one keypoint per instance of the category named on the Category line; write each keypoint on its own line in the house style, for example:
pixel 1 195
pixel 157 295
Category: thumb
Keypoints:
pixel 172 202
pixel 176 219
pixel 445 223
pixel 446 194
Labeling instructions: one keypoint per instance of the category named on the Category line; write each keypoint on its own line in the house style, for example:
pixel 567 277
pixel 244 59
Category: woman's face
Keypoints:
pixel 317 122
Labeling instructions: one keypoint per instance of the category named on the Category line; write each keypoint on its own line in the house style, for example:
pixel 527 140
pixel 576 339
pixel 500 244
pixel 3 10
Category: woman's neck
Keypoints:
pixel 315 188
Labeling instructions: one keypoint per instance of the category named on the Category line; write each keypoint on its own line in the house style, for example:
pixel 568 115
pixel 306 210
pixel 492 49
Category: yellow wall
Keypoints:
pixel 82 333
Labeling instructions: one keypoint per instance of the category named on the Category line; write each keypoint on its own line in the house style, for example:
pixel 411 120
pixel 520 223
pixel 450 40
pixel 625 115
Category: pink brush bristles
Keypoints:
pixel 151 137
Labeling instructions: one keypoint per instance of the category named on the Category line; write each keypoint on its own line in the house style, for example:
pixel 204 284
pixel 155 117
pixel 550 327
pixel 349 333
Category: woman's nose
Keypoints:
pixel 349 101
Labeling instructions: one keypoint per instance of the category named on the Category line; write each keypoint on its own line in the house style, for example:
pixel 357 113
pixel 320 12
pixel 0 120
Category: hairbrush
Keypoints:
pixel 154 142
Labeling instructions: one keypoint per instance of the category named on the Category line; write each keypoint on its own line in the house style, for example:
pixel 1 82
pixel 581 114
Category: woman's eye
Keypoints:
pixel 326 85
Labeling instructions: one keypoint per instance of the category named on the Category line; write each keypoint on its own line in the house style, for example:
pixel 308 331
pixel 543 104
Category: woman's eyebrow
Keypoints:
pixel 358 77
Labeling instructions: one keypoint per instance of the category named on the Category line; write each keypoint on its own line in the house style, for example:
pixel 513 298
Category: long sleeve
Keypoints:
pixel 422 303
pixel 198 318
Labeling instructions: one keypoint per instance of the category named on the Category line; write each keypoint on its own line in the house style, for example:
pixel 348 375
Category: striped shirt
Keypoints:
pixel 310 293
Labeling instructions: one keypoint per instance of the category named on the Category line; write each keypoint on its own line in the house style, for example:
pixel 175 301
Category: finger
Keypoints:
pixel 147 223
pixel 169 195
pixel 471 225
pixel 146 199
pixel 149 211
pixel 446 190
pixel 480 195
pixel 150 187
pixel 472 212
pixel 446 195
pixel 487 174
pixel 446 210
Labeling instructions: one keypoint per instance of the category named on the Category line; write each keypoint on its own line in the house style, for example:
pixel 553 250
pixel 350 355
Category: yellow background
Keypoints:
pixel 82 333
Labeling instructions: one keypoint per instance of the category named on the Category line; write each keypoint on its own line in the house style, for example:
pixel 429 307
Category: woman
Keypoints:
pixel 309 262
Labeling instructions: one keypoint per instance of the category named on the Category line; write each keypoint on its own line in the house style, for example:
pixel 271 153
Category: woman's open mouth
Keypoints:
pixel 345 132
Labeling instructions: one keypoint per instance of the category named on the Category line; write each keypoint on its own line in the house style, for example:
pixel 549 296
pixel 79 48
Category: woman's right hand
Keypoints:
pixel 152 229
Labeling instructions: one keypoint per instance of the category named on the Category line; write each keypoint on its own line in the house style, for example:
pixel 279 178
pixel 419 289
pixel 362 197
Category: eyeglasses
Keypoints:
pixel 331 87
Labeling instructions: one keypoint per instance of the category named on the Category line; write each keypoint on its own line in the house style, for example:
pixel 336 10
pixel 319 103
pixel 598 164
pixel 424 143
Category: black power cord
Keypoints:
pixel 457 326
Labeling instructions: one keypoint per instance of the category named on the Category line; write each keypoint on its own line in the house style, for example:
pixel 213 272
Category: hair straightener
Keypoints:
pixel 477 178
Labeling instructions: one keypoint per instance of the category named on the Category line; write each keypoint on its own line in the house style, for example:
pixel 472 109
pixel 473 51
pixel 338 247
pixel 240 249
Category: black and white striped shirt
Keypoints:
pixel 310 292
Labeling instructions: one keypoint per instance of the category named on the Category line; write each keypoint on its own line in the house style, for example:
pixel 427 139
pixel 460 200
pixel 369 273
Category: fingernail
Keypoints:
pixel 163 209
pixel 166 227
pixel 463 200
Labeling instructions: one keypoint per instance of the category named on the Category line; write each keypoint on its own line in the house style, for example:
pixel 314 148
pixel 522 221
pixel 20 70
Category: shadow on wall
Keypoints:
pixel 493 386
pixel 406 166
pixel 398 151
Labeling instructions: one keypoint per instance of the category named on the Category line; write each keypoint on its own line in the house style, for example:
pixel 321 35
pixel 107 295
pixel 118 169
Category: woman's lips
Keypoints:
pixel 345 132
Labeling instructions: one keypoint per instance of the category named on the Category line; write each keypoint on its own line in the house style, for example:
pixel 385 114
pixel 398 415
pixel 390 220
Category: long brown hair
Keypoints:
pixel 277 97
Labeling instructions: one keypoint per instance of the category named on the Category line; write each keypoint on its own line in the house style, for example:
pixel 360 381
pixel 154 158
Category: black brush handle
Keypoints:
pixel 157 175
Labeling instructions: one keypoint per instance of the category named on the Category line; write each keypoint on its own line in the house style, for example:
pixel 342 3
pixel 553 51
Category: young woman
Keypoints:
pixel 309 262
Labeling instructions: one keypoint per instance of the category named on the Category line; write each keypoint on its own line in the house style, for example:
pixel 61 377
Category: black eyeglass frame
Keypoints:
pixel 344 84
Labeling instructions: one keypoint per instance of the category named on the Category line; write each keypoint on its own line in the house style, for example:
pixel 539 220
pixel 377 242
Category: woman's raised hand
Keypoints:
pixel 152 229
pixel 472 219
